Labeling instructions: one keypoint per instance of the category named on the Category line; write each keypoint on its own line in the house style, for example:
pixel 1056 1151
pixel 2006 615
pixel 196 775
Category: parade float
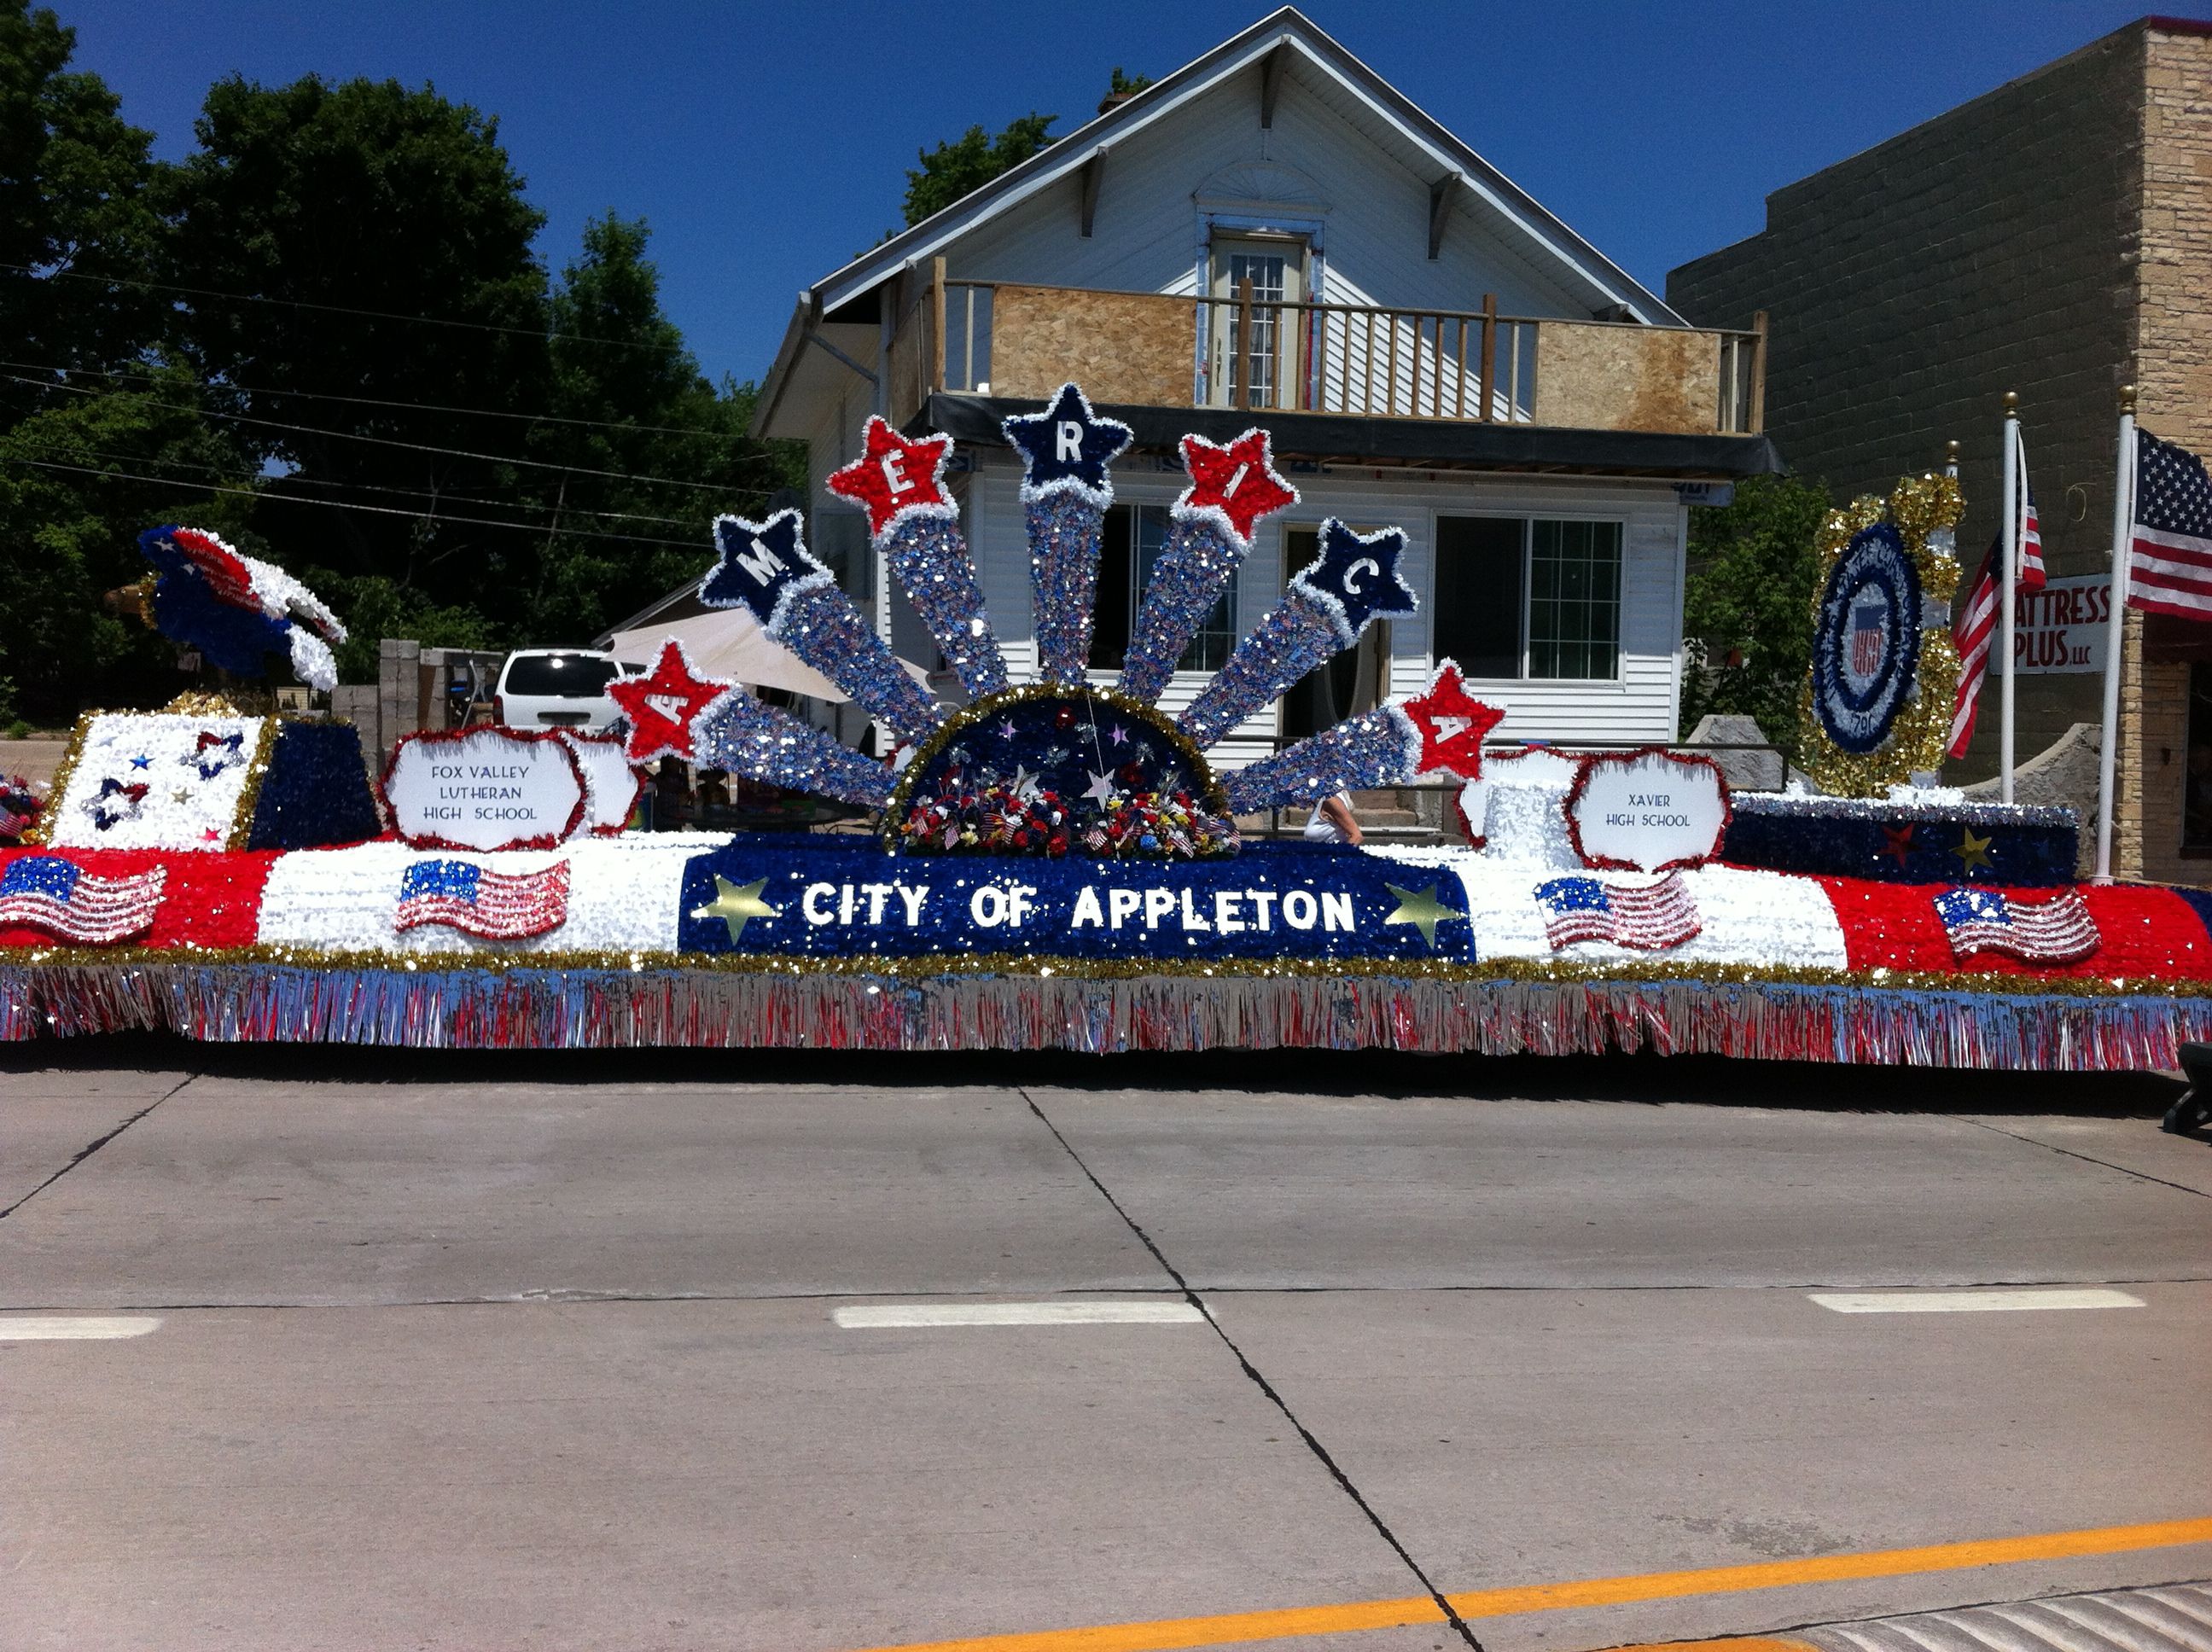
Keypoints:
pixel 1056 862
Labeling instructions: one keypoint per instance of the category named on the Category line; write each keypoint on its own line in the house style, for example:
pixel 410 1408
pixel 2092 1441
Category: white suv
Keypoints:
pixel 559 688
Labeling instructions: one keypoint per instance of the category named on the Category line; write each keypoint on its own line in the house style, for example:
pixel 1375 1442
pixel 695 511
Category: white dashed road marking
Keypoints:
pixel 1966 1302
pixel 906 1314
pixel 70 1327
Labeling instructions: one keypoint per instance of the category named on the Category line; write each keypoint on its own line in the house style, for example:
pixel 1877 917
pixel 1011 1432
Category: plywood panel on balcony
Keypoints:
pixel 1596 377
pixel 1121 347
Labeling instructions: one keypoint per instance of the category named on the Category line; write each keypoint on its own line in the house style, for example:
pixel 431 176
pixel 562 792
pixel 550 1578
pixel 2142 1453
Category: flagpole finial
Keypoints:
pixel 2127 398
pixel 2012 403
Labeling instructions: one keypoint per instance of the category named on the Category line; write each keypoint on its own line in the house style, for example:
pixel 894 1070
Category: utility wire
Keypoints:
pixel 412 446
pixel 372 401
pixel 332 309
pixel 348 505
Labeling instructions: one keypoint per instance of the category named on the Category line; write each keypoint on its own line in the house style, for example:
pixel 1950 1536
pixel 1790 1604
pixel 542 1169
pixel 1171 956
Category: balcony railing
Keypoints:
pixel 1022 341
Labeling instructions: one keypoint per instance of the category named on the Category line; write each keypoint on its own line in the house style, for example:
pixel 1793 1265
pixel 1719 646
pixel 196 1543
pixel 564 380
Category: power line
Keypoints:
pixel 33 270
pixel 413 446
pixel 372 401
pixel 347 504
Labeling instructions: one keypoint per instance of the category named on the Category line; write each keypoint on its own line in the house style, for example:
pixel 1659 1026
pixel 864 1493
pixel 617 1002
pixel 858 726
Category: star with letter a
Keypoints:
pixel 662 705
pixel 1452 724
pixel 1068 444
pixel 1238 480
pixel 893 474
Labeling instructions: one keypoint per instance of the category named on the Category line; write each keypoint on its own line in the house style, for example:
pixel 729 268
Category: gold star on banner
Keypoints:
pixel 182 794
pixel 1974 852
pixel 1424 911
pixel 736 906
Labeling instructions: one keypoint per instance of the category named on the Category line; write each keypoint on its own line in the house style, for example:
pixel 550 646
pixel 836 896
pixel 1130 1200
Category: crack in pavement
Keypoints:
pixel 1314 1445
pixel 90 1148
pixel 2085 1158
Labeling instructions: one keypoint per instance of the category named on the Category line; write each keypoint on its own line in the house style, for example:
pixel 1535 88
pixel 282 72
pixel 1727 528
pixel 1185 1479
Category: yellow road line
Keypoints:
pixel 1174 1634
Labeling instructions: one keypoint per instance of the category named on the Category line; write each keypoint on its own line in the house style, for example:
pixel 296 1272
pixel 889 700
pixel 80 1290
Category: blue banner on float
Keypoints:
pixel 844 897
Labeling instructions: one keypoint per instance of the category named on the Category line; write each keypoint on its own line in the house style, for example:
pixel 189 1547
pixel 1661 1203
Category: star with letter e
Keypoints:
pixel 760 561
pixel 893 474
pixel 1357 579
pixel 1452 723
pixel 1239 479
pixel 1068 445
pixel 662 705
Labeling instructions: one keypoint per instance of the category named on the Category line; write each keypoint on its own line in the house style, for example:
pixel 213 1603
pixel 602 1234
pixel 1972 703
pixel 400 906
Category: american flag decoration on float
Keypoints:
pixel 1649 917
pixel 45 891
pixel 496 906
pixel 2056 930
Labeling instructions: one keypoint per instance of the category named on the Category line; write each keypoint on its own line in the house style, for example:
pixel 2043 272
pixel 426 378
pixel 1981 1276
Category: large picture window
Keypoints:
pixel 1517 597
pixel 1130 543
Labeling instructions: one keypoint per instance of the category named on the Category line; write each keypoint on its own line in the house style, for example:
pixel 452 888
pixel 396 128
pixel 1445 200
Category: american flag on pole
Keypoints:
pixel 1974 620
pixel 1649 917
pixel 496 906
pixel 45 891
pixel 2170 546
pixel 2058 930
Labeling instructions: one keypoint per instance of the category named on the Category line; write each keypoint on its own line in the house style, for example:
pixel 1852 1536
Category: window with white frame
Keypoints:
pixel 1528 597
pixel 1130 543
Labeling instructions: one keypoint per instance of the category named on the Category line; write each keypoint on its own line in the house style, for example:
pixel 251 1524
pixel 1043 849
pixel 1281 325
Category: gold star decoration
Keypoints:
pixel 1424 911
pixel 1974 852
pixel 736 906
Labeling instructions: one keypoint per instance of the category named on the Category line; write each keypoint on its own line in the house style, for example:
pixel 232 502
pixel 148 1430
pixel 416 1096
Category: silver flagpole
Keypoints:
pixel 2008 534
pixel 2123 513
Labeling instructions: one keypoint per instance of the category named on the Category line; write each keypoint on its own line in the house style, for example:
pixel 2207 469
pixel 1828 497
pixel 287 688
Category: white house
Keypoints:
pixel 1272 234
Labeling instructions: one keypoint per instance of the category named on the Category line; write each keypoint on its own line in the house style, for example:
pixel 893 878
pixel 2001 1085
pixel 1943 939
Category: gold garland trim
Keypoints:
pixel 981 710
pixel 1525 971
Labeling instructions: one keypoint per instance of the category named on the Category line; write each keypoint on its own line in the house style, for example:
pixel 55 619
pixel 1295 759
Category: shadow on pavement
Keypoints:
pixel 1639 1077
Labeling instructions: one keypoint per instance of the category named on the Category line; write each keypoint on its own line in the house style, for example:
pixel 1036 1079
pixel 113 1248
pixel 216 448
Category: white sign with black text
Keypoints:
pixel 1646 810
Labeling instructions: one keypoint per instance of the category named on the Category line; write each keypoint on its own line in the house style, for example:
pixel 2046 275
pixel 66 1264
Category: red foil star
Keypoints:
pixel 661 705
pixel 893 474
pixel 1453 724
pixel 1901 841
pixel 1238 480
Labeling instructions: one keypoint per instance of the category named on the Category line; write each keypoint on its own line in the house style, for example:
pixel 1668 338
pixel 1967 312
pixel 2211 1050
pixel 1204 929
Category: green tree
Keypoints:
pixel 954 170
pixel 1747 605
pixel 74 205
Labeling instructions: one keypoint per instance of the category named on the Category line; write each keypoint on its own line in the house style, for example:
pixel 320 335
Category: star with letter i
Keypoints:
pixel 662 705
pixel 1452 724
pixel 1238 480
pixel 893 474
pixel 1358 577
pixel 1067 445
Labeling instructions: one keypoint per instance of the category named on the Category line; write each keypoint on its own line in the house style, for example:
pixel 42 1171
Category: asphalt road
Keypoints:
pixel 479 1353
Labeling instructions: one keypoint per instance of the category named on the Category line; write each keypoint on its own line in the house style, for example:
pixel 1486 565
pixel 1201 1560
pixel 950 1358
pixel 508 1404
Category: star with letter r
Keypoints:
pixel 1068 445
pixel 1452 723
pixel 1239 479
pixel 760 561
pixel 662 705
pixel 893 474
pixel 1357 578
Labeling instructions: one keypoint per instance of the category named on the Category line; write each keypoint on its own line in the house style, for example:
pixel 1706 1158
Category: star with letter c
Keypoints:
pixel 1358 577
pixel 1238 480
pixel 1067 445
pixel 893 474
pixel 662 705
pixel 1452 724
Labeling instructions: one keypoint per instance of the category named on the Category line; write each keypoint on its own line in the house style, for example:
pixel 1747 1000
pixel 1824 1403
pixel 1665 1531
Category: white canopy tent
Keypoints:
pixel 730 642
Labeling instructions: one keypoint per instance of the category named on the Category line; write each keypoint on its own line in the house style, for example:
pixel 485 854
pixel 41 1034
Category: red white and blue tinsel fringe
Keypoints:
pixel 580 1009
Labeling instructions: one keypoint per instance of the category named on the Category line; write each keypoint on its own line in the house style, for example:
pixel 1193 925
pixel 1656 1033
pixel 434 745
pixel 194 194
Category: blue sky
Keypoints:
pixel 767 144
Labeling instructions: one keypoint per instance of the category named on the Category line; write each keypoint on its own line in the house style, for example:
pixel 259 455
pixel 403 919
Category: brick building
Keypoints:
pixel 2054 238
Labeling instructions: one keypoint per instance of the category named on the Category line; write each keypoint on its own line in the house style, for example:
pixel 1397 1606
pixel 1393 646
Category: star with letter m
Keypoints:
pixel 760 561
pixel 1357 578
pixel 1068 445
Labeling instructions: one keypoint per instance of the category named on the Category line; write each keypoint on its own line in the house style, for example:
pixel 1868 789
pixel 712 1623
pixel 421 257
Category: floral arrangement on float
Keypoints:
pixel 1057 861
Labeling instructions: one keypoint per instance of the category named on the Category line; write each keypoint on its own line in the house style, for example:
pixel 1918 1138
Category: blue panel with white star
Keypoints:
pixel 1360 576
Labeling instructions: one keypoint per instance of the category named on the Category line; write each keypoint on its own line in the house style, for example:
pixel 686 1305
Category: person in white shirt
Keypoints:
pixel 1333 822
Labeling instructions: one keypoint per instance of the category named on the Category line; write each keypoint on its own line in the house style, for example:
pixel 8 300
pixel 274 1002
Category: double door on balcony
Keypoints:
pixel 1254 348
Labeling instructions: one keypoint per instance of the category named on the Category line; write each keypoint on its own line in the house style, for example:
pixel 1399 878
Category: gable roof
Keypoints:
pixel 1287 29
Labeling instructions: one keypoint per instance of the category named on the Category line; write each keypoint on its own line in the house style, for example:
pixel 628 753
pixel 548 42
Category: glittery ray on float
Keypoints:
pixel 1065 492
pixel 766 568
pixel 900 482
pixel 1209 533
pixel 1330 601
pixel 748 737
pixel 1439 730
